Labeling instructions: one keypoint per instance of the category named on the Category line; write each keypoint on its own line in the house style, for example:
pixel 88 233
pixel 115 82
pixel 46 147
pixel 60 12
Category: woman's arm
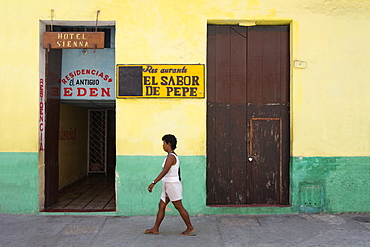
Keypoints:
pixel 170 161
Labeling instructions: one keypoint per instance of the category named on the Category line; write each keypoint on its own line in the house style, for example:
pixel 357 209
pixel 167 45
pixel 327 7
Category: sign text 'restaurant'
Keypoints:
pixel 178 81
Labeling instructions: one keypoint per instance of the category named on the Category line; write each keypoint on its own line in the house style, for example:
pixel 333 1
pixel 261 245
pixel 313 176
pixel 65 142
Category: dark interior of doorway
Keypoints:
pixel 96 191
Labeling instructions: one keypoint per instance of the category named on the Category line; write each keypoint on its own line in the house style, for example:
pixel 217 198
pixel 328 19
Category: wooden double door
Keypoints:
pixel 248 115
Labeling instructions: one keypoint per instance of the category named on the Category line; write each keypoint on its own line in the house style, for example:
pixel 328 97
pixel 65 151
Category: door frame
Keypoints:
pixel 287 159
pixel 42 99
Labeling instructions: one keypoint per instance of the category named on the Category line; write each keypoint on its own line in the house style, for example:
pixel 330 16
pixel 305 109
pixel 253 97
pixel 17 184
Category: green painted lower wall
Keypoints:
pixel 135 173
pixel 342 184
pixel 318 184
pixel 19 183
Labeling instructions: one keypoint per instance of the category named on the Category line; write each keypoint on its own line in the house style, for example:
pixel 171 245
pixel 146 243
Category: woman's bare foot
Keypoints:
pixel 151 231
pixel 188 232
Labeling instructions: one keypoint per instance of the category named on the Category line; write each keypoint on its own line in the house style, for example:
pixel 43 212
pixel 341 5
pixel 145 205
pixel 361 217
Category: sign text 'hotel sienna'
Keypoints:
pixel 73 40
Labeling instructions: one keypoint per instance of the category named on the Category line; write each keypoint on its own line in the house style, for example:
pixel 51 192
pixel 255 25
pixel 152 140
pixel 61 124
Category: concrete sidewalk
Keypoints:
pixel 217 230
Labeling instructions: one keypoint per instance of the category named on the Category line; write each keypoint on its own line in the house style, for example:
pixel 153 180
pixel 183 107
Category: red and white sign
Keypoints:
pixel 41 115
pixel 87 83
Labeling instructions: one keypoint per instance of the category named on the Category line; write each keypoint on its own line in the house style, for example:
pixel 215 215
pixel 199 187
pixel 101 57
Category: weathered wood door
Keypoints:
pixel 52 103
pixel 248 115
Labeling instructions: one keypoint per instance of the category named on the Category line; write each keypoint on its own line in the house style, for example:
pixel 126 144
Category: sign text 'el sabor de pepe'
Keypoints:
pixel 161 81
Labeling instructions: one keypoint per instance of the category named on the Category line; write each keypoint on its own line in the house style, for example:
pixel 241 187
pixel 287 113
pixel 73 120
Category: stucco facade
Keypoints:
pixel 329 87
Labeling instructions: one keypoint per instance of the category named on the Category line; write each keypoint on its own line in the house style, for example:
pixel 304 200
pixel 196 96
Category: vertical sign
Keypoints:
pixel 41 115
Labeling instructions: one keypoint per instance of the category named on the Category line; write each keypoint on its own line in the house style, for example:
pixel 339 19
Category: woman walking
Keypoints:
pixel 171 188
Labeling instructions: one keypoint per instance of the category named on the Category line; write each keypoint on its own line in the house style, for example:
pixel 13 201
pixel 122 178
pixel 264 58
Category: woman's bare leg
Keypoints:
pixel 160 216
pixel 185 216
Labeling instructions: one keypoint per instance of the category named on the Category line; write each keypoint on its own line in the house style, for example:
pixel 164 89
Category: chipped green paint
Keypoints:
pixel 335 184
pixel 19 183
pixel 135 173
pixel 342 184
pixel 345 182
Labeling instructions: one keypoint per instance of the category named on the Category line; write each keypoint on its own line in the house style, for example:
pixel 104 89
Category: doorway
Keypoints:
pixel 248 143
pixel 80 169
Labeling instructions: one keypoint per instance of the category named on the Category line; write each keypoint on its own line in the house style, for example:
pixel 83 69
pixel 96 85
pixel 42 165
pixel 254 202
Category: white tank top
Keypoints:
pixel 172 174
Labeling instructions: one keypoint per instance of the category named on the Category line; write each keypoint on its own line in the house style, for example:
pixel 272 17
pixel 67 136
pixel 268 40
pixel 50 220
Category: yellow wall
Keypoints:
pixel 330 107
pixel 72 144
pixel 145 121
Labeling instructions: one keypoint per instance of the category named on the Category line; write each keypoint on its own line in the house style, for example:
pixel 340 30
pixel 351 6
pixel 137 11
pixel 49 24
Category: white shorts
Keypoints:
pixel 172 190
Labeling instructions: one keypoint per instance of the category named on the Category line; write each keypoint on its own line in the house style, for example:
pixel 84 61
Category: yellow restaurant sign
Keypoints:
pixel 160 81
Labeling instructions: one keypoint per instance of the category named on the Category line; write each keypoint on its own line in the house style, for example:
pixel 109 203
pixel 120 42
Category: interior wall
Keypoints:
pixel 72 144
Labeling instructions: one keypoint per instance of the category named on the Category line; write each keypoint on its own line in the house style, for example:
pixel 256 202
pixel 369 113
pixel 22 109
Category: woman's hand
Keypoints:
pixel 170 160
pixel 150 187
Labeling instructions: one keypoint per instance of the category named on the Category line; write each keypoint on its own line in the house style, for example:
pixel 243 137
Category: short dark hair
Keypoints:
pixel 171 139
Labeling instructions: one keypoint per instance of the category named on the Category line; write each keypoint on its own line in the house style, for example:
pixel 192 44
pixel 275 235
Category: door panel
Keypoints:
pixel 238 111
pixel 265 153
pixel 268 97
pixel 268 138
pixel 219 151
pixel 226 119
pixel 52 111
pixel 268 64
pixel 265 160
pixel 238 159
pixel 247 111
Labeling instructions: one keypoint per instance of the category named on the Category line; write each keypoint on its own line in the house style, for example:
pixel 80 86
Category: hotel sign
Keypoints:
pixel 73 40
pixel 160 81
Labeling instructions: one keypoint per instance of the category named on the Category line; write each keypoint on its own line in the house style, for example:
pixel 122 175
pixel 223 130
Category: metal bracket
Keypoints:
pixel 97 17
pixel 51 18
